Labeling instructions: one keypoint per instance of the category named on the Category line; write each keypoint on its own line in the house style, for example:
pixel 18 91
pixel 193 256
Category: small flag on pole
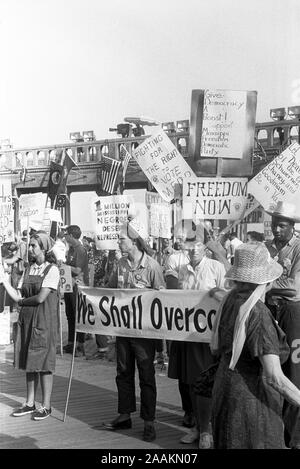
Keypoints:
pixel 125 156
pixel 109 173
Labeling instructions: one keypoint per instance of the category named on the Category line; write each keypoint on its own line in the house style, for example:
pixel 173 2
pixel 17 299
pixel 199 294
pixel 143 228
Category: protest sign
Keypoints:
pixel 139 208
pixel 224 123
pixel 160 221
pixel 109 214
pixel 6 212
pixel 156 314
pixel 5 326
pixel 162 164
pixel 65 278
pixel 214 198
pixel 31 210
pixel 279 180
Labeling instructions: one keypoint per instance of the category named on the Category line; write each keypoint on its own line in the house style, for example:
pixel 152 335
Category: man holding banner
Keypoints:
pixel 284 301
pixel 137 270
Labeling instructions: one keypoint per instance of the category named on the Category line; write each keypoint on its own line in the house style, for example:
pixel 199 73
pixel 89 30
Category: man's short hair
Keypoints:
pixel 74 230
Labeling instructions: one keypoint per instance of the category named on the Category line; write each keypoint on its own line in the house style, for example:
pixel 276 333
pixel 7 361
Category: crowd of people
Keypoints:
pixel 255 399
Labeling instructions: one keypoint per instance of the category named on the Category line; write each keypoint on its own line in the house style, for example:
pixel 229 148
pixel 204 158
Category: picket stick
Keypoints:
pixel 60 330
pixel 71 373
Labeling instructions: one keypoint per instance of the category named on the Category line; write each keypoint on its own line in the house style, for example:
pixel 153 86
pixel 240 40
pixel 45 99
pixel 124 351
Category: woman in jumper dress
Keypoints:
pixel 35 343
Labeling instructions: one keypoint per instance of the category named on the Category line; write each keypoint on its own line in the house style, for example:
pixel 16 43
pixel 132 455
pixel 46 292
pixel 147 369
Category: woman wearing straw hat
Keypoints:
pixel 249 383
pixel 35 344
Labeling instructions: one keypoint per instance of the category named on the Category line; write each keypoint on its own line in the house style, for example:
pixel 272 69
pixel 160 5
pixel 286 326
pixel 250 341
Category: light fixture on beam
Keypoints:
pixel 183 126
pixel 76 137
pixel 168 127
pixel 277 114
pixel 294 112
pixel 88 135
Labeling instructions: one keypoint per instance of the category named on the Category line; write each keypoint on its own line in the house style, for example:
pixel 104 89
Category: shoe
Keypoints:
pixel 97 356
pixel 118 425
pixel 24 410
pixel 68 348
pixel 188 420
pixel 149 433
pixel 205 441
pixel 42 413
pixel 190 437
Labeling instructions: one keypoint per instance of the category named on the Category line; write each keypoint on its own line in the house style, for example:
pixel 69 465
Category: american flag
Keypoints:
pixel 109 173
pixel 125 156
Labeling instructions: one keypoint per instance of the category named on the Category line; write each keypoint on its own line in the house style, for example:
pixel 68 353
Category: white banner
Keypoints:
pixel 279 180
pixel 162 164
pixel 158 314
pixel 214 198
pixel 109 214
pixel 6 212
pixel 224 123
pixel 31 210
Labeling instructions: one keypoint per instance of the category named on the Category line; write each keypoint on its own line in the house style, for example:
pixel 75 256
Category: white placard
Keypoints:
pixel 109 214
pixel 6 212
pixel 279 180
pixel 31 210
pixel 160 221
pixel 65 278
pixel 214 198
pixel 5 326
pixel 162 164
pixel 224 123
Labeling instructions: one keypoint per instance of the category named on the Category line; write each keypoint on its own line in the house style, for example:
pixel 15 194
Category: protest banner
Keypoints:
pixel 109 214
pixel 279 180
pixel 31 210
pixel 65 278
pixel 6 212
pixel 224 122
pixel 156 314
pixel 162 164
pixel 214 198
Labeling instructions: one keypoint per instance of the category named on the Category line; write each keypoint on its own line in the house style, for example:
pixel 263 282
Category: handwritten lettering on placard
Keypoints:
pixel 218 198
pixel 162 163
pixel 109 214
pixel 279 180
pixel 224 123
pixel 6 213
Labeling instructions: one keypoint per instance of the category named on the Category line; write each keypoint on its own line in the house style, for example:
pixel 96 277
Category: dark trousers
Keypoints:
pixel 287 313
pixel 186 401
pixel 70 306
pixel 141 351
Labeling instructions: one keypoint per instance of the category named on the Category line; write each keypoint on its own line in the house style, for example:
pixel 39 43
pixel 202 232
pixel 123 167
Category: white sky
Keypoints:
pixel 73 65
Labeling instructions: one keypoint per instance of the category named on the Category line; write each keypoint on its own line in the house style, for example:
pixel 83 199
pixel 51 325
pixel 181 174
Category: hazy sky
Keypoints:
pixel 73 65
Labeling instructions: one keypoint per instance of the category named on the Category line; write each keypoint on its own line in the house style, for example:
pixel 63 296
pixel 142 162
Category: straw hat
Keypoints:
pixel 253 264
pixel 285 210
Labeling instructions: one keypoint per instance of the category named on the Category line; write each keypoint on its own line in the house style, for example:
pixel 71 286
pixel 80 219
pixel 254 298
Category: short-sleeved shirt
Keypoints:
pixel 148 274
pixel 208 274
pixel 289 257
pixel 77 257
pixel 51 279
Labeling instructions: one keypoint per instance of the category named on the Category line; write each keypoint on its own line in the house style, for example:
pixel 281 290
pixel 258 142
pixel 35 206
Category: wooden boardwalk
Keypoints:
pixel 93 400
